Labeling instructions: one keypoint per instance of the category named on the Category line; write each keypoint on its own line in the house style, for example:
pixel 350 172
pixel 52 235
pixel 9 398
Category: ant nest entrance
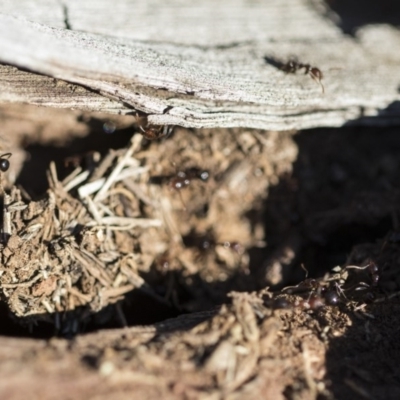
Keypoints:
pixel 179 220
pixel 169 219
pixel 193 220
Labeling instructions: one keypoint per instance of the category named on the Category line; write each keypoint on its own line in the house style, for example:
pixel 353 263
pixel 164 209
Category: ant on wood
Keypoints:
pixel 153 132
pixel 292 66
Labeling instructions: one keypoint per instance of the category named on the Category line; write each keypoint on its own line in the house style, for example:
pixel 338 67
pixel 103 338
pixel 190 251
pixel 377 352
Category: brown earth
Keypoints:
pixel 115 282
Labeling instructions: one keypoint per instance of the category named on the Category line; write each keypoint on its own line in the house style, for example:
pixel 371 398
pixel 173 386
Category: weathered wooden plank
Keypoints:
pixel 17 86
pixel 181 81
pixel 206 23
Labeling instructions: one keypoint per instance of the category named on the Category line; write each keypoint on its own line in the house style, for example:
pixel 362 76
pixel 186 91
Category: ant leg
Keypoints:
pixel 317 76
pixel 181 197
pixel 6 226
pixel 167 130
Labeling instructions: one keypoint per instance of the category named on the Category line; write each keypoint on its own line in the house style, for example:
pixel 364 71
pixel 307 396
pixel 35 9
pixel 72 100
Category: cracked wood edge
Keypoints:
pixel 196 86
pixel 17 86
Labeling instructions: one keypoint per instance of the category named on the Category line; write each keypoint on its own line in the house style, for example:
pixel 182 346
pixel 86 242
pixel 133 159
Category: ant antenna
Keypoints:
pixel 304 269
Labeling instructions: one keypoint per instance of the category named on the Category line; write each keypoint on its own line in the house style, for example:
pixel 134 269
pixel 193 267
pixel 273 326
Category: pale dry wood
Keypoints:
pixel 19 86
pixel 203 65
pixel 206 23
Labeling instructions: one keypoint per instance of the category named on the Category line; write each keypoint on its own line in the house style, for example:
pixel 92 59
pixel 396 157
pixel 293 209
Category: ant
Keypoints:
pixel 153 132
pixel 236 247
pixel 292 66
pixel 319 293
pixel 316 293
pixel 184 178
pixel 207 241
pixel 373 272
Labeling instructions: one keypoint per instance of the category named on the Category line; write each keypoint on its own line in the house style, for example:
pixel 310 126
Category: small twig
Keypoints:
pixel 94 186
pixel 22 284
pixel 76 180
pixel 104 165
pixel 97 270
pixel 117 291
pixel 135 189
pixel 136 141
pixel 93 210
pixel 126 223
pixel 52 175
pixel 83 297
pixel 71 176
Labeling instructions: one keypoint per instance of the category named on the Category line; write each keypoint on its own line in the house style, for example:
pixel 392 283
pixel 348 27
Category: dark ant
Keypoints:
pixel 373 271
pixel 184 178
pixel 181 179
pixel 312 302
pixel 153 132
pixel 236 247
pixel 208 242
pixel 319 294
pixel 292 66
pixel 330 291
pixel 87 159
pixel 280 303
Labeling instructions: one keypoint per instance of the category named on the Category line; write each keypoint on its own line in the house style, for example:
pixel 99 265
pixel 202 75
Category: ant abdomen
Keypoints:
pixel 4 162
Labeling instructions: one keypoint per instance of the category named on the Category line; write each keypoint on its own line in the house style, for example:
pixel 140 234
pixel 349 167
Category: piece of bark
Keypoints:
pixel 211 72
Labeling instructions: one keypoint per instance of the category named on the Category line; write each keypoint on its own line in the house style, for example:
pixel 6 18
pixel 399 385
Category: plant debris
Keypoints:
pixel 278 253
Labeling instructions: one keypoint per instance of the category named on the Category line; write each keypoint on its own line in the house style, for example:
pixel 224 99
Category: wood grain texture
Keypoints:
pixel 204 65
pixel 19 86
